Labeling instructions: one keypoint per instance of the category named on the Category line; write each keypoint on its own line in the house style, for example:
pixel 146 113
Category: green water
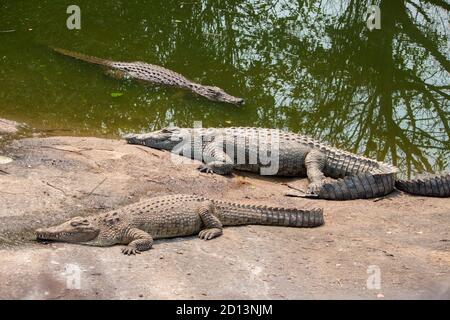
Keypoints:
pixel 308 66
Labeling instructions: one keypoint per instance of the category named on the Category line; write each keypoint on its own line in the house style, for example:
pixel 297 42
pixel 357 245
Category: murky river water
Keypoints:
pixel 311 66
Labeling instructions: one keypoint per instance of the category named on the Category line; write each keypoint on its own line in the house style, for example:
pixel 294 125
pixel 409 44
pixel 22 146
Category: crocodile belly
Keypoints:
pixel 175 224
pixel 288 162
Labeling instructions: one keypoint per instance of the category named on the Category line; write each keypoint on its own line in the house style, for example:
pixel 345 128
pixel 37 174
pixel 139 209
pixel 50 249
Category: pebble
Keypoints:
pixel 5 160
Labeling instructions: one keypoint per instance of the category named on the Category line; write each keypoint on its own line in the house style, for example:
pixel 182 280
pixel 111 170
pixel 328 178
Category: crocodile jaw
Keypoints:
pixel 167 138
pixel 216 94
pixel 225 97
pixel 70 231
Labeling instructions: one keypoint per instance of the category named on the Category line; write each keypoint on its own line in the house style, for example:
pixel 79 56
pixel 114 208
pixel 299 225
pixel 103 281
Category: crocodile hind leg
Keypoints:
pixel 213 226
pixel 216 160
pixel 114 73
pixel 315 162
pixel 137 241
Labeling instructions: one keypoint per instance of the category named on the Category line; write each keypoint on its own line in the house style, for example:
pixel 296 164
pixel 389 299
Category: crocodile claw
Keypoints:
pixel 311 194
pixel 314 189
pixel 130 251
pixel 204 168
pixel 208 234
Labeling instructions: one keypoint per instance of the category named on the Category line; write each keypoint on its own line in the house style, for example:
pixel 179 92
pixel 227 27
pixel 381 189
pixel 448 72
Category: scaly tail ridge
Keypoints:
pixel 306 218
pixel 361 186
pixel 242 214
pixel 429 185
pixel 83 57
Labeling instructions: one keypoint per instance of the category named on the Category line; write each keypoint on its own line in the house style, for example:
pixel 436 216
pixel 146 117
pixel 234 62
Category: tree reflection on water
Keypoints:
pixel 307 66
pixel 383 93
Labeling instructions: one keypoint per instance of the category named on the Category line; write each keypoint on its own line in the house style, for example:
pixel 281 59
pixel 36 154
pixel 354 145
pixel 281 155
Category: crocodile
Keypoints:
pixel 333 173
pixel 156 75
pixel 136 225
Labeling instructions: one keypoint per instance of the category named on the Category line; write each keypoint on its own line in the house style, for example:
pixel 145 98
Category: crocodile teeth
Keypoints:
pixel 46 236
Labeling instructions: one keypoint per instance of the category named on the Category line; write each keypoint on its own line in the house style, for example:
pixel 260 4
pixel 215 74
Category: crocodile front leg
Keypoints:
pixel 137 241
pixel 216 160
pixel 213 226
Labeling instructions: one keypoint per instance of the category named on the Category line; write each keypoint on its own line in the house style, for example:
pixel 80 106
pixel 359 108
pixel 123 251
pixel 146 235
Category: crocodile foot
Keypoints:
pixel 208 234
pixel 315 187
pixel 130 251
pixel 205 168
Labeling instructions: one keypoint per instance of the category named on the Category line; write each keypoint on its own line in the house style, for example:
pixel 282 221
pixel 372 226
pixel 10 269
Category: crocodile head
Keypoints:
pixel 76 230
pixel 167 138
pixel 217 94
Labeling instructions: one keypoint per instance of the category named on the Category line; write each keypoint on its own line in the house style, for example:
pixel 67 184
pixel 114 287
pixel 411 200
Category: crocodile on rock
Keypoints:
pixel 157 75
pixel 136 225
pixel 333 173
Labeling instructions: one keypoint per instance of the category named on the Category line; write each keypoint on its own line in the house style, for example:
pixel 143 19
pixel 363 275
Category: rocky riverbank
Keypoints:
pixel 8 127
pixel 404 238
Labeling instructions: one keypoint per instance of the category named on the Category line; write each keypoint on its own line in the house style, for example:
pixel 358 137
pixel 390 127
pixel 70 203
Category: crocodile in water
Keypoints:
pixel 157 75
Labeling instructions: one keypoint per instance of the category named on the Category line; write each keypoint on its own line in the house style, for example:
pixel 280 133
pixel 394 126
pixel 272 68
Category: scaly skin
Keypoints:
pixel 433 185
pixel 180 215
pixel 333 173
pixel 157 75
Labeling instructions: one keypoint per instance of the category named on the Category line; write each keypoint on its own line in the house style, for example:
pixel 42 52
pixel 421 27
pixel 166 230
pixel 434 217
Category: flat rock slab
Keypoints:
pixel 403 241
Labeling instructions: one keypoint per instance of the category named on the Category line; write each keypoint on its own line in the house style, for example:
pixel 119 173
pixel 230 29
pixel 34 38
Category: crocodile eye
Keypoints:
pixel 74 223
pixel 215 91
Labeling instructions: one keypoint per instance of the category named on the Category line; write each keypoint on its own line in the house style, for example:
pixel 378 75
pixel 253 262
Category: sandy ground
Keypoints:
pixel 401 240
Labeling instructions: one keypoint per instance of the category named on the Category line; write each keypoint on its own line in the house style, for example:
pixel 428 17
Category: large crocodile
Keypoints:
pixel 157 75
pixel 332 172
pixel 136 225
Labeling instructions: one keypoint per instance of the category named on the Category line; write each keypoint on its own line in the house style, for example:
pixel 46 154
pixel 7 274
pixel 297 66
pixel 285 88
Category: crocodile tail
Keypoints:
pixel 83 57
pixel 276 216
pixel 361 186
pixel 430 185
pixel 244 214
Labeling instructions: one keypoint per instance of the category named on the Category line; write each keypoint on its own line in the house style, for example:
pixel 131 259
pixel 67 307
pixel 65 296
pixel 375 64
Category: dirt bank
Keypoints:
pixel 406 238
